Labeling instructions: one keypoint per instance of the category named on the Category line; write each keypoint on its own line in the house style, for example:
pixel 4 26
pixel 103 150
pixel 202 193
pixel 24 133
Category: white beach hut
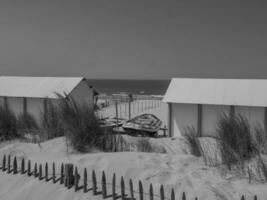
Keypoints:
pixel 198 103
pixel 30 94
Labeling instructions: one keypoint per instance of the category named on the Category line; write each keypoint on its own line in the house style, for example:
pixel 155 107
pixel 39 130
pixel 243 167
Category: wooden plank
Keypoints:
pixel 170 107
pixel 199 119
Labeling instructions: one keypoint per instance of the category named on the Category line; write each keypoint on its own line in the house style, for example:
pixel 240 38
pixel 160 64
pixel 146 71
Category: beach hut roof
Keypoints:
pixel 243 92
pixel 37 87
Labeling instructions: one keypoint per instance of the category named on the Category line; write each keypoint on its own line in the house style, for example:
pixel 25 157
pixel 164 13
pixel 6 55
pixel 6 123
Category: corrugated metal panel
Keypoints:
pixel 243 92
pixel 37 87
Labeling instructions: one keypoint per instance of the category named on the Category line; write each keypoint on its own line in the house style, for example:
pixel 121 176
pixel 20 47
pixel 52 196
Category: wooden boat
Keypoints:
pixel 145 124
pixel 110 123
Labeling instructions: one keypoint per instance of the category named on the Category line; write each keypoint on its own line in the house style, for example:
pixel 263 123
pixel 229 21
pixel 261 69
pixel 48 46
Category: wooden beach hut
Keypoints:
pixel 30 94
pixel 198 103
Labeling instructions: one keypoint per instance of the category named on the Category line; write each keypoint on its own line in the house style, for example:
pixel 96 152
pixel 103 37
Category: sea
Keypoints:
pixel 115 86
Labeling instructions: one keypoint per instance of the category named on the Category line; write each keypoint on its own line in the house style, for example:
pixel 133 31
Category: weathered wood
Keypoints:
pixel 122 189
pixel 131 189
pixel 40 172
pixel 114 187
pixel 151 193
pixel 199 119
pixel 9 164
pixel 29 168
pixel 4 163
pixel 35 173
pixel 104 185
pixel 172 195
pixel 69 177
pixel 94 182
pixel 15 166
pixel 243 197
pixel 162 196
pixel 85 180
pixel 183 196
pixel 62 174
pixel 46 172
pixel 53 172
pixel 141 191
pixel 22 167
pixel 76 180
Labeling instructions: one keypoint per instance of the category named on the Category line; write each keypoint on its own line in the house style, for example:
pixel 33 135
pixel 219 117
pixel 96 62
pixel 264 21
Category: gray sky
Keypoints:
pixel 134 38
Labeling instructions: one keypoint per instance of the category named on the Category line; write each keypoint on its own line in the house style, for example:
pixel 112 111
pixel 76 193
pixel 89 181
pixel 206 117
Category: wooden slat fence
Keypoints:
pixel 70 178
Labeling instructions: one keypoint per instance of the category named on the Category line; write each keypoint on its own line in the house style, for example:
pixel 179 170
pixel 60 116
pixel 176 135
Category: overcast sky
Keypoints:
pixel 134 38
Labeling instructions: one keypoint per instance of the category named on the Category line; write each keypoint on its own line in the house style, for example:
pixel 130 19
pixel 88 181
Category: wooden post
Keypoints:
pixel 129 109
pixel 199 119
pixel 104 185
pixel 232 111
pixel 116 109
pixel 172 195
pixel 151 193
pixel 183 196
pixel 22 167
pixel 162 196
pixel 29 168
pixel 54 172
pixel 76 180
pixel 122 189
pixel 255 197
pixel 94 183
pixel 62 174
pixel 131 189
pixel 46 172
pixel 24 106
pixel 68 175
pixel 35 173
pixel 114 187
pixel 8 164
pixel 85 180
pixel 170 119
pixel 4 163
pixel 15 166
pixel 141 191
pixel 243 197
pixel 40 171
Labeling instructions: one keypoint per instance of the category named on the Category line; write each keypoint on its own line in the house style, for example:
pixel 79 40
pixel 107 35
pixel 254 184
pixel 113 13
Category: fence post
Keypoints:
pixel 15 166
pixel 68 175
pixel 162 196
pixel 172 195
pixel 35 170
pixel 46 172
pixel 62 174
pixel 8 164
pixel 29 168
pixel 22 167
pixel 151 193
pixel 85 180
pixel 94 183
pixel 129 109
pixel 131 189
pixel 114 187
pixel 183 197
pixel 4 163
pixel 104 185
pixel 255 197
pixel 40 171
pixel 122 189
pixel 243 197
pixel 54 172
pixel 76 180
pixel 141 192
